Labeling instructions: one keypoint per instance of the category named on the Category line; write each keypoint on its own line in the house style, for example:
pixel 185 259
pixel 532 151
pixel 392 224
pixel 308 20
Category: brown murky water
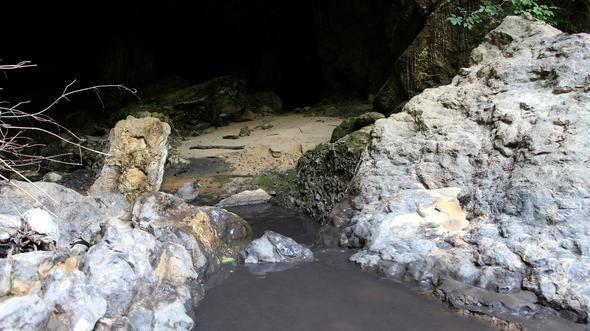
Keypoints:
pixel 328 294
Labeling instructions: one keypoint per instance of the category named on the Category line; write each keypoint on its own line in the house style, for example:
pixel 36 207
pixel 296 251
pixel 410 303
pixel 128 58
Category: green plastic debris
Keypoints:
pixel 228 260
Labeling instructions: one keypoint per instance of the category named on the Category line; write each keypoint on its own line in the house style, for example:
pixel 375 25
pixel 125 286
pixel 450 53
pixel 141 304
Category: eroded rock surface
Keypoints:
pixel 485 181
pixel 76 217
pixel 323 173
pixel 136 157
pixel 114 267
pixel 274 248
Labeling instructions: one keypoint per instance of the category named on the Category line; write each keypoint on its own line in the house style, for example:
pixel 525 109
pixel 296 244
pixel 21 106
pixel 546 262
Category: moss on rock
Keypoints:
pixel 323 174
pixel 354 123
pixel 194 108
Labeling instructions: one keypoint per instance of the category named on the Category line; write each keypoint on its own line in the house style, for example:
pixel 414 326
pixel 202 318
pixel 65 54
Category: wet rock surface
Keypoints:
pixel 276 248
pixel 485 180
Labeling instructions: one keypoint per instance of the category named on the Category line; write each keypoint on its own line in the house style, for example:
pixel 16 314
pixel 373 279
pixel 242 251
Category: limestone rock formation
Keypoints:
pixel 136 158
pixel 76 217
pixel 142 277
pixel 221 233
pixel 486 180
pixel 274 248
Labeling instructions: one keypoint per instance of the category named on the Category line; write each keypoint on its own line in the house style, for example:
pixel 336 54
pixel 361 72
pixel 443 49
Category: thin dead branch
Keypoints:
pixel 17 126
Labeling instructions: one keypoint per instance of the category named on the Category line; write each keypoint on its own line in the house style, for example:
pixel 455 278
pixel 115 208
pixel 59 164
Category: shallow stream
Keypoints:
pixel 327 294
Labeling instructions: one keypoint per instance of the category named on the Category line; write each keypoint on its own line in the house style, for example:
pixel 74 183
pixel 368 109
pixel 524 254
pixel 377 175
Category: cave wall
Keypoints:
pixel 432 59
pixel 305 50
pixel 359 40
pixel 437 53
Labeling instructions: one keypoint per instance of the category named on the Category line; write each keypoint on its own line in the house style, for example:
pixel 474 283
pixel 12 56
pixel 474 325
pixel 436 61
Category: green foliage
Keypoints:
pixel 491 11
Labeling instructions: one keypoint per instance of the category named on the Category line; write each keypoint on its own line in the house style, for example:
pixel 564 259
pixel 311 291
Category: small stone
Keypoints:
pixel 245 198
pixel 52 177
pixel 42 222
pixel 245 132
pixel 188 191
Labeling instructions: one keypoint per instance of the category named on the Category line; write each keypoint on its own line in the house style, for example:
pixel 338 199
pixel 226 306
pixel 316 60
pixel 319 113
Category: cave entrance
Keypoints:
pixel 302 50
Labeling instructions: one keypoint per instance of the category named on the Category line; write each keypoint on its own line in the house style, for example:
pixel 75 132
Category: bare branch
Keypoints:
pixel 16 124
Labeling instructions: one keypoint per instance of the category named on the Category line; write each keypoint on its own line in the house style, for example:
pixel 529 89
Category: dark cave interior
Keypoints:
pixel 304 50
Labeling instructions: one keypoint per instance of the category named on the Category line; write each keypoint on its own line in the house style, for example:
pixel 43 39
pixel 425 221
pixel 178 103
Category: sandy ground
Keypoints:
pixel 222 171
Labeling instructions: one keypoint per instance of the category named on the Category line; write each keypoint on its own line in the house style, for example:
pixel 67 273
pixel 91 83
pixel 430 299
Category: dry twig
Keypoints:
pixel 17 125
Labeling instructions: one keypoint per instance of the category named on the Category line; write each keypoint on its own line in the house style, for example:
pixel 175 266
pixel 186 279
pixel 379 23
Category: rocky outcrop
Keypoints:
pixel 434 56
pixel 135 161
pixel 485 180
pixel 323 173
pixel 138 268
pixel 76 217
pixel 197 106
pixel 193 109
pixel 276 248
pixel 353 124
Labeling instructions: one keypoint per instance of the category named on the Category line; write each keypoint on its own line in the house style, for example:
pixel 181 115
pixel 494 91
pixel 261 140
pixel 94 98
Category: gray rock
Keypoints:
pixel 273 248
pixel 74 304
pixel 119 267
pixel 5 273
pixel 485 181
pixel 27 270
pixel 23 313
pixel 188 191
pixel 172 316
pixel 4 236
pixel 218 228
pixel 41 221
pixel 113 276
pixel 245 198
pixel 10 223
pixel 462 296
pixel 52 177
pixel 77 216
